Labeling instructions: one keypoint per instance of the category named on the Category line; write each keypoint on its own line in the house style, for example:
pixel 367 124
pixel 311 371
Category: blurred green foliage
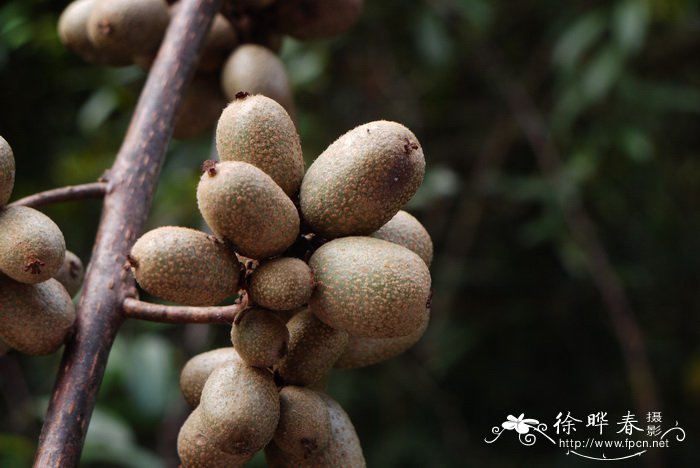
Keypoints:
pixel 518 323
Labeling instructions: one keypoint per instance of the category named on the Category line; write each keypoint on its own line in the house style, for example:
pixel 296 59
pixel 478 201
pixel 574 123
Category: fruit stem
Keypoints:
pixel 131 183
pixel 68 193
pixel 135 309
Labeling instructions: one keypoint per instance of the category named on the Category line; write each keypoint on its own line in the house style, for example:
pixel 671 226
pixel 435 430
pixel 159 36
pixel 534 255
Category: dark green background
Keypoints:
pixel 519 323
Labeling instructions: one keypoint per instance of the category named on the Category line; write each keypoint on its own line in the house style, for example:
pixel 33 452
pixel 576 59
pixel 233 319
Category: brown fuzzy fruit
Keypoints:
pixel 71 273
pixel 404 229
pixel 257 130
pixel 244 205
pixel 35 318
pixel 260 337
pixel 370 287
pixel 316 19
pixel 200 109
pixel 313 349
pixel 197 370
pixel 281 284
pixel 257 70
pixel 240 407
pixel 128 27
pixel 185 266
pixel 7 171
pixel 32 247
pixel 304 427
pixel 196 450
pixel 362 180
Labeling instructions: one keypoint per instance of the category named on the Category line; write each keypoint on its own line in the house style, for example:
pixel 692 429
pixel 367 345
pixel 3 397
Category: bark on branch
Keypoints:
pixel 71 192
pixel 131 183
pixel 135 309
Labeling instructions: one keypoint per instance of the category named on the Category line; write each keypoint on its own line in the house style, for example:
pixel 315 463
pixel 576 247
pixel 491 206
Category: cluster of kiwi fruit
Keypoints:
pixel 332 272
pixel 38 276
pixel 239 51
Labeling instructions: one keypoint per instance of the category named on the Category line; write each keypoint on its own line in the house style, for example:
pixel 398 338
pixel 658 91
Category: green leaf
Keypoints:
pixel 577 39
pixel 630 20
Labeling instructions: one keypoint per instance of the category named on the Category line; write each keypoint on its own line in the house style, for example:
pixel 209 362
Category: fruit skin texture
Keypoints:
pixel 240 407
pixel 128 27
pixel 196 450
pixel 317 19
pixel 343 449
pixel 362 180
pixel 260 337
pixel 406 230
pixel 313 349
pixel 7 171
pixel 71 273
pixel 281 284
pixel 362 351
pixel 198 369
pixel 35 318
pixel 370 287
pixel 32 247
pixel 304 427
pixel 244 205
pixel 257 130
pixel 185 266
pixel 257 70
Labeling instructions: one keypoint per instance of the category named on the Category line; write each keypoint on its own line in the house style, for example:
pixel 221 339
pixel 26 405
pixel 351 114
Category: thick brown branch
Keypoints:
pixel 140 310
pixel 132 181
pixel 69 193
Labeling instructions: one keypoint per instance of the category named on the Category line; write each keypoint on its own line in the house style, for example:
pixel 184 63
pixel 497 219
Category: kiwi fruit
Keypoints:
pixel 260 337
pixel 362 180
pixel 304 427
pixel 255 69
pixel 370 287
pixel 240 407
pixel 71 273
pixel 35 318
pixel 362 351
pixel 7 172
pixel 196 450
pixel 32 247
pixel 128 27
pixel 257 130
pixel 185 266
pixel 404 229
pixel 4 348
pixel 197 370
pixel 313 349
pixel 245 206
pixel 201 107
pixel 343 449
pixel 281 284
pixel 316 19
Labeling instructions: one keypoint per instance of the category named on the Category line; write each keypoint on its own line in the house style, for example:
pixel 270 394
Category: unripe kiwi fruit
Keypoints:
pixel 257 130
pixel 7 171
pixel 128 27
pixel 257 70
pixel 343 449
pixel 32 247
pixel 406 230
pixel 35 318
pixel 71 273
pixel 362 351
pixel 313 349
pixel 370 287
pixel 185 266
pixel 197 370
pixel 281 284
pixel 201 107
pixel 304 427
pixel 240 407
pixel 316 19
pixel 244 205
pixel 260 337
pixel 196 450
pixel 362 180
